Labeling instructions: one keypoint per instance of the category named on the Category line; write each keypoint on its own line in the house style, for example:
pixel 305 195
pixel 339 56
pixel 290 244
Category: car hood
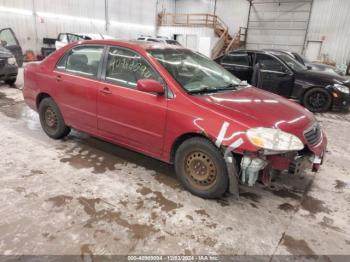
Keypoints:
pixel 321 66
pixel 252 107
pixel 5 53
pixel 320 78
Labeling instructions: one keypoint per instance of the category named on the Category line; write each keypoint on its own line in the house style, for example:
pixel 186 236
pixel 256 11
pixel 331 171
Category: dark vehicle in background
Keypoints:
pixel 311 65
pixel 8 66
pixel 9 41
pixel 279 73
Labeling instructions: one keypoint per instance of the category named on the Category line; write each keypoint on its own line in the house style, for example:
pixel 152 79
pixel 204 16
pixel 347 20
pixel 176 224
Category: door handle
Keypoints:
pixel 106 91
pixel 59 78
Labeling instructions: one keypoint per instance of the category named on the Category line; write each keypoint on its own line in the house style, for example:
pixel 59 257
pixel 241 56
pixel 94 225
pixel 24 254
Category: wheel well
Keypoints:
pixel 40 97
pixel 180 140
pixel 310 88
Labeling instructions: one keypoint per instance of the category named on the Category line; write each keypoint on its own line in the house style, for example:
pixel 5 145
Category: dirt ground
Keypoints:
pixel 85 196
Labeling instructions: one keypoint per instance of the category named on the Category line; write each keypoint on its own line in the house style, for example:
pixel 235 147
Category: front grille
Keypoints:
pixel 2 62
pixel 313 134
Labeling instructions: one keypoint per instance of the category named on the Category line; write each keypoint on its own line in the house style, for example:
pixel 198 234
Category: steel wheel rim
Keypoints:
pixel 317 100
pixel 51 119
pixel 200 170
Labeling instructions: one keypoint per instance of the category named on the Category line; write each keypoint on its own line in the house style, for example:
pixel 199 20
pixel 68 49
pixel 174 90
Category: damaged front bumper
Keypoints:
pixel 263 164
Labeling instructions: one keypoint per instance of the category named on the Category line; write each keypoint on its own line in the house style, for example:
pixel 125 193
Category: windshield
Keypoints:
pixel 292 63
pixel 194 72
pixel 303 58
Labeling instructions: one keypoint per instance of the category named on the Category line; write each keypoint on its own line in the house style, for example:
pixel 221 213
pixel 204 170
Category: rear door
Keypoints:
pixel 239 64
pixel 275 76
pixel 76 76
pixel 124 114
pixel 10 42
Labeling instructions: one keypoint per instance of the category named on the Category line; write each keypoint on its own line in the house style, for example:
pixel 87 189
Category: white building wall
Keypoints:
pixel 234 13
pixel 43 18
pixel 166 6
pixel 330 23
pixel 195 6
pixel 204 37
pixel 278 24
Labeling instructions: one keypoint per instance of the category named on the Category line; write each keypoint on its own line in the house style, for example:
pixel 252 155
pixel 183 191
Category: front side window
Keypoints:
pixel 6 36
pixel 195 72
pixel 292 63
pixel 82 60
pixel 63 38
pixel 241 59
pixel 125 68
pixel 270 63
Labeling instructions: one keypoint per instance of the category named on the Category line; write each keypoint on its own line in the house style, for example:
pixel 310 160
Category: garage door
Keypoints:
pixel 280 24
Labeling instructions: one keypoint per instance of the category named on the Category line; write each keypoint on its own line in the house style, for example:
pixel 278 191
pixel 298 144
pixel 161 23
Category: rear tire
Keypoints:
pixel 10 81
pixel 201 168
pixel 51 119
pixel 317 100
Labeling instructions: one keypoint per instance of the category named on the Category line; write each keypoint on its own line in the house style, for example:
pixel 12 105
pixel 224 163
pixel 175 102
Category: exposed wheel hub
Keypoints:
pixel 317 100
pixel 200 169
pixel 50 118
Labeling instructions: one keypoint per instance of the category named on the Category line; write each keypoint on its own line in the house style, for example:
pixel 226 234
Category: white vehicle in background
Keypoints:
pixel 158 39
pixel 66 38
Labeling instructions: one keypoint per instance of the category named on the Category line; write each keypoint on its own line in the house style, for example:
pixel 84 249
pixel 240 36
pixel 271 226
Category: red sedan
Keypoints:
pixel 177 106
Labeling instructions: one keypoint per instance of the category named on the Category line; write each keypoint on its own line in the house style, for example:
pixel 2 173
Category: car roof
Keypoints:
pixel 279 51
pixel 263 51
pixel 132 44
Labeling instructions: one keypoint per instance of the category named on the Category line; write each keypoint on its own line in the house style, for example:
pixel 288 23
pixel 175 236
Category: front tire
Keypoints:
pixel 317 100
pixel 51 119
pixel 201 168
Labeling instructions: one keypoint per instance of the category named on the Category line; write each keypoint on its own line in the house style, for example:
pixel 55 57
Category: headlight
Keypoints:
pixel 274 139
pixel 11 61
pixel 341 88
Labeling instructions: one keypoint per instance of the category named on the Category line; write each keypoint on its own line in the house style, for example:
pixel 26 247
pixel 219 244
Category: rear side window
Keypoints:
pixel 125 68
pixel 241 59
pixel 82 60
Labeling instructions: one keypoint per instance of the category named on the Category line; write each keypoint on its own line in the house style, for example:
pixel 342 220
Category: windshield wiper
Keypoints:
pixel 229 87
pixel 203 90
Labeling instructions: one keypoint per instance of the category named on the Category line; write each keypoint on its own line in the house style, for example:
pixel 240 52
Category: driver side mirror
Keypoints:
pixel 150 86
pixel 309 67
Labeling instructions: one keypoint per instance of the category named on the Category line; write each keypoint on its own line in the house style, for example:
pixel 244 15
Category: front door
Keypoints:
pixel 274 75
pixel 10 42
pixel 76 76
pixel 239 64
pixel 124 114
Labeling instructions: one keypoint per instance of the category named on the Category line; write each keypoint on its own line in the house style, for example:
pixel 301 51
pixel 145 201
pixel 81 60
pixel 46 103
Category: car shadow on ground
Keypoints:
pixel 90 152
